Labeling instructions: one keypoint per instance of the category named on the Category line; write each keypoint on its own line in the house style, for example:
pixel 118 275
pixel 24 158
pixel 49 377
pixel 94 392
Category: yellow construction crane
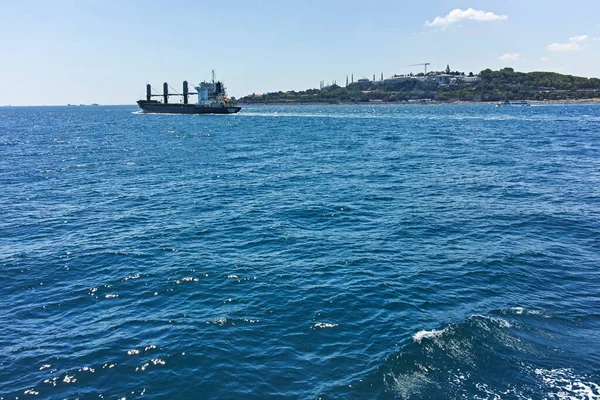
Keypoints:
pixel 425 64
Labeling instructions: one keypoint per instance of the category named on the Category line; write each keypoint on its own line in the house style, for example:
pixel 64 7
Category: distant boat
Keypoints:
pixel 514 103
pixel 95 104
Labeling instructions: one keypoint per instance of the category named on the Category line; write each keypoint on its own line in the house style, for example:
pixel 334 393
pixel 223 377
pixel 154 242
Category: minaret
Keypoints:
pixel 382 76
pixel 352 77
pixel 373 77
pixel 346 80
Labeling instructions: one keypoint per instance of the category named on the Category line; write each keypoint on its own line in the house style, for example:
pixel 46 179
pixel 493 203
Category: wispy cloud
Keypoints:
pixel 574 44
pixel 571 46
pixel 510 57
pixel 458 15
pixel 545 59
pixel 579 38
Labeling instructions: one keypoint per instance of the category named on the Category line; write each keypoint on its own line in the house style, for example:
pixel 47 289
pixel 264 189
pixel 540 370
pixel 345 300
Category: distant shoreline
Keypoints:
pixel 426 102
pixel 446 87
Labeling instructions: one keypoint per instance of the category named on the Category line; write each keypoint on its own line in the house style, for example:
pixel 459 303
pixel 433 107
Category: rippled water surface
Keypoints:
pixel 300 252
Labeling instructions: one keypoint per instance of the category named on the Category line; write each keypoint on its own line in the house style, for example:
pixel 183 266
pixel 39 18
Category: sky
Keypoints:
pixel 105 51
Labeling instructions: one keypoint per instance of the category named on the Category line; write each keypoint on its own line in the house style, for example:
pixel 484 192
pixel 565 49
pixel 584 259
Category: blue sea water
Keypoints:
pixel 335 252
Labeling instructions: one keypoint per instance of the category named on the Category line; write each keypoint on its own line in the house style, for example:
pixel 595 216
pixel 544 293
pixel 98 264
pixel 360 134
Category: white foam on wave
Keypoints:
pixel 136 276
pixel 524 311
pixel 502 323
pixel 417 337
pixel 220 321
pixel 322 325
pixel 565 384
pixel 186 279
pixel 409 385
pixel 495 394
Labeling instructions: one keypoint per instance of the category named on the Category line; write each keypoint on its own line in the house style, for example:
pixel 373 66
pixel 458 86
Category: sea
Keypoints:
pixel 301 252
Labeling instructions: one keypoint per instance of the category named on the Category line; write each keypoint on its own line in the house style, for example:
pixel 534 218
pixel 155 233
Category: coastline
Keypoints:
pixel 595 100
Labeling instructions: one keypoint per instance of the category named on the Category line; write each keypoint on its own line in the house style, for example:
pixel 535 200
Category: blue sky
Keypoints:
pixel 58 52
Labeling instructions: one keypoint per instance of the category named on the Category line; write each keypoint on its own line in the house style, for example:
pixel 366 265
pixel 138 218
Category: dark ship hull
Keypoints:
pixel 157 107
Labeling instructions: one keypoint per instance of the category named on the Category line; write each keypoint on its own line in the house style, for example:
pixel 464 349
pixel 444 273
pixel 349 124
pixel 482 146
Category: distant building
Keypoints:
pixel 394 79
pixel 363 80
pixel 440 79
pixel 468 79
pixel 443 79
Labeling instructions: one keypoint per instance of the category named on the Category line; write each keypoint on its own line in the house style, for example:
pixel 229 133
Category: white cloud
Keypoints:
pixel 596 38
pixel 457 15
pixel 510 57
pixel 572 45
pixel 580 38
pixel 545 59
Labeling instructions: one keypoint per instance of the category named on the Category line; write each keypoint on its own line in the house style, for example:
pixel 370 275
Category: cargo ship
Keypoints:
pixel 212 99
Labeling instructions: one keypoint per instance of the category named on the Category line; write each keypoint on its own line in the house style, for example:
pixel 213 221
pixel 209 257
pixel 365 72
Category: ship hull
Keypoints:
pixel 156 107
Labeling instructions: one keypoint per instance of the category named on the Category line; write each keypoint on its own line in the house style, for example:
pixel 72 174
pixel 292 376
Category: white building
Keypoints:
pixel 441 79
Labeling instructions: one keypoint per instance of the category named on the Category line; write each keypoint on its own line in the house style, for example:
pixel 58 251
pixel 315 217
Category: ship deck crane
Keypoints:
pixel 424 64
pixel 166 94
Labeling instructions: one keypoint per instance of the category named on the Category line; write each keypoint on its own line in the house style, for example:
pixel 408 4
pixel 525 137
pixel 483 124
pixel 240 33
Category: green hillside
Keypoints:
pixel 505 84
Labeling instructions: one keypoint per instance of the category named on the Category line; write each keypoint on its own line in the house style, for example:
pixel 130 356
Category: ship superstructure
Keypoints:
pixel 212 99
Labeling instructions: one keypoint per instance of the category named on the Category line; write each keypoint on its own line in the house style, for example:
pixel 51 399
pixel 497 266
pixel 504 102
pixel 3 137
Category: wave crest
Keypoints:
pixel 468 359
pixel 419 336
